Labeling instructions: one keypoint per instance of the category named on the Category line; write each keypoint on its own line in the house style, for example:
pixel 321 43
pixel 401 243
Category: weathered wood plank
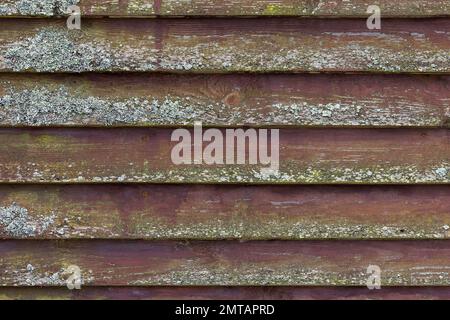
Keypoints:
pixel 225 293
pixel 229 263
pixel 310 156
pixel 224 100
pixel 225 45
pixel 224 212
pixel 307 8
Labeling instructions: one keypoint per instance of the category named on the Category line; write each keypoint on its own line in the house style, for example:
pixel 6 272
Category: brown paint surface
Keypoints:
pixel 144 155
pixel 107 227
pixel 226 293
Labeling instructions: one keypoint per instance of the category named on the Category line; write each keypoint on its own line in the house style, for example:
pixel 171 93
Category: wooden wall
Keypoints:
pixel 86 177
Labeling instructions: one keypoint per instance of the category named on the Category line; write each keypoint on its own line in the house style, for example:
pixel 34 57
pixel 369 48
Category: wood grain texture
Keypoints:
pixel 169 212
pixel 310 156
pixel 305 8
pixel 225 293
pixel 224 100
pixel 229 263
pixel 225 45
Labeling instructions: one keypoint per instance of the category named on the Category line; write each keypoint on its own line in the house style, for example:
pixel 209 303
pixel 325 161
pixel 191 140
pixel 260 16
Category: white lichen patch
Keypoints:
pixel 16 221
pixel 33 275
pixel 194 273
pixel 288 174
pixel 357 113
pixel 239 227
pixel 287 53
pixel 42 106
pixel 46 8
pixel 140 7
pixel 55 49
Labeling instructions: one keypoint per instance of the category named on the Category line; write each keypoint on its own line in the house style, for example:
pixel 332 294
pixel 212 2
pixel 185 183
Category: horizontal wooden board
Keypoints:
pixel 310 156
pixel 225 45
pixel 224 100
pixel 228 263
pixel 307 8
pixel 225 293
pixel 224 212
